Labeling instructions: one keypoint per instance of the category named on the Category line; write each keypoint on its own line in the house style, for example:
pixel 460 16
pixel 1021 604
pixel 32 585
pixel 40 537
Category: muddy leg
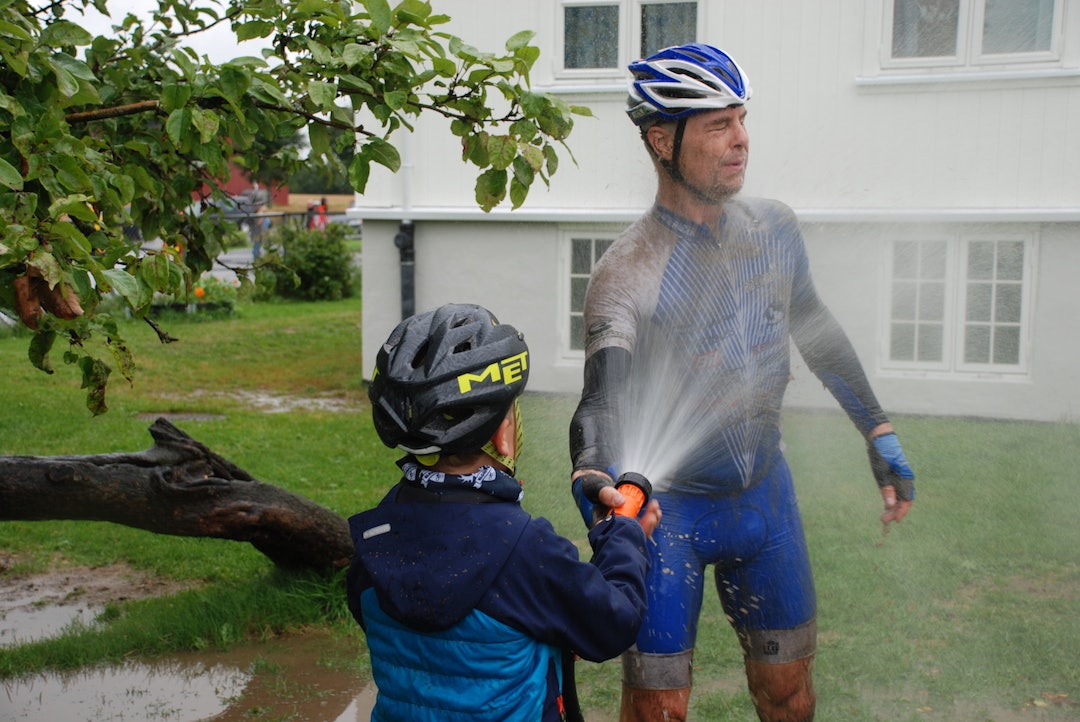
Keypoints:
pixel 782 692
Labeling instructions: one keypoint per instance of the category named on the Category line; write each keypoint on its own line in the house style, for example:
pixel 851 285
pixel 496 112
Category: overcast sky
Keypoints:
pixel 218 44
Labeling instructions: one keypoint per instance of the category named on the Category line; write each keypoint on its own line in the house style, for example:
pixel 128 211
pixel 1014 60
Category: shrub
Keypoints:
pixel 316 265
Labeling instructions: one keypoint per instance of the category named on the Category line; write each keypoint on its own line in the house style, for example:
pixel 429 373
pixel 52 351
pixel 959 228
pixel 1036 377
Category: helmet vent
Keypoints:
pixel 421 355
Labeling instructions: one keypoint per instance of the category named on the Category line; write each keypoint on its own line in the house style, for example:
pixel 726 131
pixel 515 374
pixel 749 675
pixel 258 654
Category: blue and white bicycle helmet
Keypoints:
pixel 678 81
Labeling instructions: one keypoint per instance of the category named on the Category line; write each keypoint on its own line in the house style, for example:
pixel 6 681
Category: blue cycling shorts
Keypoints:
pixel 754 539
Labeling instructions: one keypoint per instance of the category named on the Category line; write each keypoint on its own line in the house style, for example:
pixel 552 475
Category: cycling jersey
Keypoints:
pixel 719 306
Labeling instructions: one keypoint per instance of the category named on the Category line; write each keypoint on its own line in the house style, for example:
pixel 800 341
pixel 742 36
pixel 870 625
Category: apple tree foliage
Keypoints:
pixel 102 132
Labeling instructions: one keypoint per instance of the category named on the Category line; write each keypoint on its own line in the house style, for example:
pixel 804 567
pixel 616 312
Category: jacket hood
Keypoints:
pixel 431 563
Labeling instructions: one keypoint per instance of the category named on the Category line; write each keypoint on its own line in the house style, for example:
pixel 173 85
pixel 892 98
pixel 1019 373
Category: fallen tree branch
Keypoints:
pixel 178 487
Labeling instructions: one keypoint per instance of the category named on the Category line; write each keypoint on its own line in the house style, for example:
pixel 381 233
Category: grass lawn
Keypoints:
pixel 966 611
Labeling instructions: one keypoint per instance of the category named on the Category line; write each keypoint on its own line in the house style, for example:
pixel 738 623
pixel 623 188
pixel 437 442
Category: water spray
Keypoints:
pixel 636 490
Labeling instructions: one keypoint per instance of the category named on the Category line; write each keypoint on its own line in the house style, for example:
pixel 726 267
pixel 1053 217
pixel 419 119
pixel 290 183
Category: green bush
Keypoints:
pixel 315 265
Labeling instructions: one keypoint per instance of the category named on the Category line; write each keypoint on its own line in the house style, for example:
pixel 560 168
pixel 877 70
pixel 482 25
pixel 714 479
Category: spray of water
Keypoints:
pixel 662 423
pixel 708 379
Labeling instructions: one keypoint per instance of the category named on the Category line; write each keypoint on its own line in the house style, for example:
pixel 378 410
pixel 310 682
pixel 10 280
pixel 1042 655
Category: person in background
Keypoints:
pixel 719 283
pixel 258 227
pixel 469 604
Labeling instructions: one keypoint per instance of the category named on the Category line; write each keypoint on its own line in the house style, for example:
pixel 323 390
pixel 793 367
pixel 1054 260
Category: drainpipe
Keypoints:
pixel 404 240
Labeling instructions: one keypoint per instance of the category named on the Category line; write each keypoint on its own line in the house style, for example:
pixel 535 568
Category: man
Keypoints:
pixel 695 305
pixel 470 605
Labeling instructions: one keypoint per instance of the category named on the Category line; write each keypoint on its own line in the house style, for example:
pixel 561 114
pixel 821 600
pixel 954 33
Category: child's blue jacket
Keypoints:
pixel 468 605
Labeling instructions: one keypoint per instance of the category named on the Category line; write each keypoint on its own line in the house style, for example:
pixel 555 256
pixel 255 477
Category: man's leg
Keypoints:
pixel 656 686
pixel 782 692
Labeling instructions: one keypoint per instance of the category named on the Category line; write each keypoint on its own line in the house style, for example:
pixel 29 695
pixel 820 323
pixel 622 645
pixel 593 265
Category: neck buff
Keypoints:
pixel 486 480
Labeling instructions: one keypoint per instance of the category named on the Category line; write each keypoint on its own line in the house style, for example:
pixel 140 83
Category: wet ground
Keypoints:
pixel 288 679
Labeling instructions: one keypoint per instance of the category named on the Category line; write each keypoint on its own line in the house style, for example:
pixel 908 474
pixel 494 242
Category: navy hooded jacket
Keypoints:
pixel 439 586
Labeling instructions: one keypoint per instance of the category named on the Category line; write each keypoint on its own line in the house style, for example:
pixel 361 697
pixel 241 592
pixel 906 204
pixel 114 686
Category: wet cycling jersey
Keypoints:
pixel 706 315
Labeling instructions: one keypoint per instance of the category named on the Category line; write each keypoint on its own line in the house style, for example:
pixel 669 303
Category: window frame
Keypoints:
pixel 958 242
pixel 629 37
pixel 969 58
pixel 567 235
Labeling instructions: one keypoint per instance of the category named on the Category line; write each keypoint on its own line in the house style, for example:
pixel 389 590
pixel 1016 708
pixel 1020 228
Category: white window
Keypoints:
pixel 581 250
pixel 972 34
pixel 600 37
pixel 959 302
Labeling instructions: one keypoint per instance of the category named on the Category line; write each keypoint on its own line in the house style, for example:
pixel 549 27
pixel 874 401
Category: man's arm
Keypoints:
pixel 830 356
pixel 594 431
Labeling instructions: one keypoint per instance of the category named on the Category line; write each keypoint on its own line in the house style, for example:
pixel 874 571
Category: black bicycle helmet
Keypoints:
pixel 445 379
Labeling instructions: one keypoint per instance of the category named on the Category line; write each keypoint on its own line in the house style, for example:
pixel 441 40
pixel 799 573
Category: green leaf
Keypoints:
pixel 552 160
pixel 74 206
pixel 127 285
pixel 70 173
pixel 523 172
pixel 235 81
pixel 413 12
pixel 501 151
pixel 95 377
pixel 63 33
pixel 381 17
pixel 206 122
pixel 519 40
pixel 40 345
pixel 490 189
pixel 10 176
pixel 323 94
pixel 383 153
pixel 176 124
pixel 396 99
pixel 359 171
pixel 73 239
pixel 254 29
pixel 518 192
pixel 533 156
pixel 174 95
pixel 444 67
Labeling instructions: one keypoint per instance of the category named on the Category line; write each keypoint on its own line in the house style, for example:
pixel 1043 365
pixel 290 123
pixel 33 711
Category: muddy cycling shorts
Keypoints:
pixel 755 541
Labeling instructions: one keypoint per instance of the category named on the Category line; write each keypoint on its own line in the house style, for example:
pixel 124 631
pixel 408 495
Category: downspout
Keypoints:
pixel 405 238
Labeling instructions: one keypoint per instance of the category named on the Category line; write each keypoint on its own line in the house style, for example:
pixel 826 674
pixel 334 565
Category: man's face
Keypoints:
pixel 714 152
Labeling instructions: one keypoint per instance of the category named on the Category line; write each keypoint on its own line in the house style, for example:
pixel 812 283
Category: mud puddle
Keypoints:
pixel 301 678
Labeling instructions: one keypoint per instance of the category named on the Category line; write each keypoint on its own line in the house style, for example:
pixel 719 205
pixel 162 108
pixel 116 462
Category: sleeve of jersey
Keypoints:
pixel 594 428
pixel 830 356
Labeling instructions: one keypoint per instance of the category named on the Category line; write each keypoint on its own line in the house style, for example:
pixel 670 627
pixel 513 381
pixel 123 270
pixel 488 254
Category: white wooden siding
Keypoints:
pixel 831 135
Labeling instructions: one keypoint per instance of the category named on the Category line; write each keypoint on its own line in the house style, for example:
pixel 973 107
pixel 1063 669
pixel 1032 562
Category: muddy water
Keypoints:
pixel 278 680
pixel 304 678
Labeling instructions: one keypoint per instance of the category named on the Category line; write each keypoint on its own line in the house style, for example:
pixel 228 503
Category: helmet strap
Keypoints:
pixel 510 462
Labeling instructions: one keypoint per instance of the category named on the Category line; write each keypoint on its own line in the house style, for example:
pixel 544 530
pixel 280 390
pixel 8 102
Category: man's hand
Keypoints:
pixel 892 473
pixel 599 489
pixel 895 509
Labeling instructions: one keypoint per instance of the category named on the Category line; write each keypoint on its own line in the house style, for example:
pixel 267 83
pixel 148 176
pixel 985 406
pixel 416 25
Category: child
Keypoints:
pixel 468 602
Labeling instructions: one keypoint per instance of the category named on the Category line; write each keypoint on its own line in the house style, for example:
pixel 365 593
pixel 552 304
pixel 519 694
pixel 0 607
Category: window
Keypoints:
pixel 603 37
pixel 958 303
pixel 972 33
pixel 592 36
pixel 585 249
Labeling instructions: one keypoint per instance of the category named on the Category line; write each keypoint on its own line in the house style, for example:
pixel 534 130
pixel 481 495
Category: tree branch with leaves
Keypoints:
pixel 99 132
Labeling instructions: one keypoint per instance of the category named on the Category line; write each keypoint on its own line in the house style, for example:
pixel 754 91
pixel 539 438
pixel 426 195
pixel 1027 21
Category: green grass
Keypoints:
pixel 966 611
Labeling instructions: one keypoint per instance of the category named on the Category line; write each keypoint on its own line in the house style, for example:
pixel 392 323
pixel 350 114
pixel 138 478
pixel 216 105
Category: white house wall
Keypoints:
pixel 850 148
pixel 457 264
pixel 844 258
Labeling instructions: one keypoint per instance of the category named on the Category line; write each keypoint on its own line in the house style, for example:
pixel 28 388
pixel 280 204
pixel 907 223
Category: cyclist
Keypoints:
pixel 469 603
pixel 717 284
